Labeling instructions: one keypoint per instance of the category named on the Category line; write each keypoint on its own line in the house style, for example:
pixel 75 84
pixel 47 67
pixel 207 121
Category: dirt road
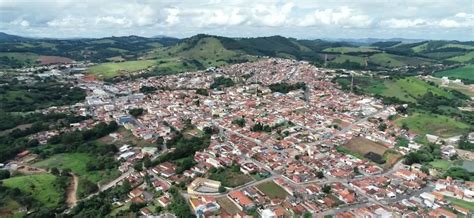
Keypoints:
pixel 72 192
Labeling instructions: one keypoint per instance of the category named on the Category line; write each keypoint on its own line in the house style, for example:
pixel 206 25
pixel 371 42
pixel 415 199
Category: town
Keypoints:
pixel 271 138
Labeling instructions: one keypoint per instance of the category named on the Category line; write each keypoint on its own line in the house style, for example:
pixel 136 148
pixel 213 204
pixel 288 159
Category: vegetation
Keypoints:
pixel 42 187
pixel 220 82
pixel 147 89
pixel 239 122
pixel 459 173
pixel 21 97
pixel 465 144
pixel 107 70
pixel 136 112
pixel 272 190
pixel 285 87
pixel 464 73
pixel 229 177
pixel 425 123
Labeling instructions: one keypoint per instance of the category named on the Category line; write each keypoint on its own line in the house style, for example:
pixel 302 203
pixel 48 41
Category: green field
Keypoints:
pixel 77 163
pixel 343 50
pixel 343 58
pixel 40 186
pixel 272 190
pixel 451 45
pixel 441 164
pixel 465 204
pixel 420 48
pixel 424 123
pixel 23 58
pixel 108 70
pixel 463 58
pixel 391 60
pixel 230 178
pixel 408 89
pixel 465 72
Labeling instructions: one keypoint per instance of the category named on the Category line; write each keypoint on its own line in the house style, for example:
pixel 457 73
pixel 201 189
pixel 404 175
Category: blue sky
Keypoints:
pixel 308 19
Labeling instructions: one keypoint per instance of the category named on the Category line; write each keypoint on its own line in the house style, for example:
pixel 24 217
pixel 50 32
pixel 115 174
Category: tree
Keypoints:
pixel 136 112
pixel 382 127
pixel 356 170
pixel 326 189
pixel 54 171
pixel 320 174
pixel 222 189
pixel 4 174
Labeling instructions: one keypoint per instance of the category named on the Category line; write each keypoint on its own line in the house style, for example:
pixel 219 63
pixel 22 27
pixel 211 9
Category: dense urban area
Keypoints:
pixel 340 131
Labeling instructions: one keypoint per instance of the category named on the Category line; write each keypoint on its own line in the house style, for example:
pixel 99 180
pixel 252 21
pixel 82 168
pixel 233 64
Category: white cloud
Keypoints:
pixel 404 23
pixel 344 17
pixel 20 22
pixel 448 23
pixel 67 22
pixel 112 20
pixel 224 17
pixel 271 15
pixel 173 16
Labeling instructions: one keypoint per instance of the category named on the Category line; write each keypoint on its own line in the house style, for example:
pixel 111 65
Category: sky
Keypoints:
pixel 303 19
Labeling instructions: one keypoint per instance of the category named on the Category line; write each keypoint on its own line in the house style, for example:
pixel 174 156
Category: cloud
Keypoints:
pixel 67 22
pixel 173 16
pixel 112 20
pixel 20 22
pixel 344 17
pixel 404 23
pixel 271 15
pixel 219 17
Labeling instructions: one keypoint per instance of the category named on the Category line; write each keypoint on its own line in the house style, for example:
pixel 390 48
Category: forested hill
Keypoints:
pixel 200 51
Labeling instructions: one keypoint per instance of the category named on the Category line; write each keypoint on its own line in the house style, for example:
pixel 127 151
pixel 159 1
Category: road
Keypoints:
pixel 71 199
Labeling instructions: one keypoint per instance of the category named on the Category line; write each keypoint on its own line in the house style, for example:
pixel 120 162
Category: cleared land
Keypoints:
pixel 40 186
pixel 391 60
pixel 465 89
pixel 408 89
pixel 272 190
pixel 54 60
pixel 424 123
pixel 230 178
pixel 465 72
pixel 228 206
pixel 77 163
pixel 360 146
pixel 108 70
pixel 441 164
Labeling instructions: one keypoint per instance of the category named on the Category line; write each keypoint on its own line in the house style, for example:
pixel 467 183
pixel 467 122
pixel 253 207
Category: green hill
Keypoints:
pixel 463 73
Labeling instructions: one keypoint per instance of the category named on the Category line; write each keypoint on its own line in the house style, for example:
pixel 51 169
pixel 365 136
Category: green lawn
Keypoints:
pixel 461 203
pixel 77 163
pixel 465 72
pixel 272 190
pixel 112 69
pixel 441 164
pixel 425 123
pixel 230 178
pixel 40 186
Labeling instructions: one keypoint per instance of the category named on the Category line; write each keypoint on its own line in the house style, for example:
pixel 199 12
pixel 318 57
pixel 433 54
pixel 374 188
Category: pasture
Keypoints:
pixel 425 123
pixel 465 72
pixel 40 186
pixel 112 69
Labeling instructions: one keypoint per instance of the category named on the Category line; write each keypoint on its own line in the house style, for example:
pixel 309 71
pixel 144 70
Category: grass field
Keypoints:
pixel 77 163
pixel 408 89
pixel 463 58
pixel 390 60
pixel 461 203
pixel 229 178
pixel 40 186
pixel 228 206
pixel 108 70
pixel 441 164
pixel 465 72
pixel 343 50
pixel 343 58
pixel 465 89
pixel 425 123
pixel 25 58
pixel 272 190
pixel 452 45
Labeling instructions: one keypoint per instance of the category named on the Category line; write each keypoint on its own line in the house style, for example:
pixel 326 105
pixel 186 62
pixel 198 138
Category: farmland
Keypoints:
pixel 272 190
pixel 463 58
pixel 424 123
pixel 343 50
pixel 40 186
pixel 111 69
pixel 465 72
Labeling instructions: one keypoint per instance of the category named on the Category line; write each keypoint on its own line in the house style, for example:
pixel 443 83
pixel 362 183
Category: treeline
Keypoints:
pixel 184 147
pixel 221 81
pixel 17 97
pixel 16 141
pixel 77 137
pixel 285 87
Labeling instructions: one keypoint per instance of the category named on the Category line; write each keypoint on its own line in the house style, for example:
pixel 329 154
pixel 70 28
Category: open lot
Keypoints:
pixel 461 203
pixel 363 145
pixel 40 186
pixel 272 190
pixel 228 206
pixel 230 178
pixel 425 123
